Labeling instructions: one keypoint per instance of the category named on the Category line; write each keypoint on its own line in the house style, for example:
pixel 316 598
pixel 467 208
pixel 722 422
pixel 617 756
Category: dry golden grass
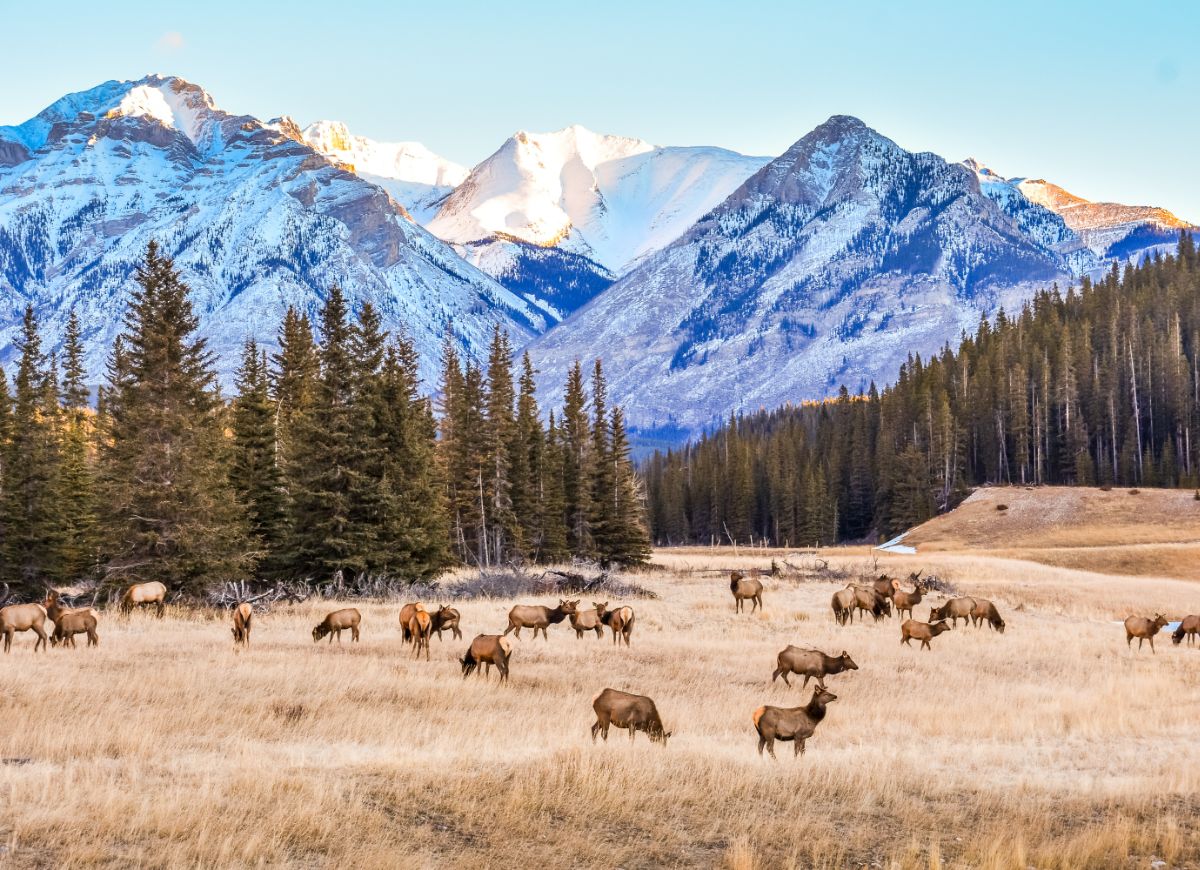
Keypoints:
pixel 1050 746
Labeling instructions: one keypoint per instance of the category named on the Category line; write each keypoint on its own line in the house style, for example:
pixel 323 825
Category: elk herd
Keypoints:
pixel 880 598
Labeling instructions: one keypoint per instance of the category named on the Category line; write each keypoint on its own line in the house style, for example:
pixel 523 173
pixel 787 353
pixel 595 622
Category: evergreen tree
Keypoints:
pixel 576 442
pixel 77 483
pixel 502 537
pixel 630 541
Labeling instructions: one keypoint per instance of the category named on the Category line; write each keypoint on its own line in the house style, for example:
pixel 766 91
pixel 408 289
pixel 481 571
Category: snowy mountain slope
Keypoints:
pixel 608 199
pixel 415 177
pixel 1108 230
pixel 828 266
pixel 255 219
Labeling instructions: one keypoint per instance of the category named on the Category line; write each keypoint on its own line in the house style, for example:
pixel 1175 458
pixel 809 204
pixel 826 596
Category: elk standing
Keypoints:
pixel 744 588
pixel 141 594
pixel 488 650
pixel 1143 629
pixel 538 617
pixel 811 663
pixel 446 619
pixel 337 622
pixel 24 617
pixel 620 621
pixel 922 631
pixel 843 605
pixel 243 616
pixel 589 620
pixel 420 627
pixel 953 610
pixel 68 623
pixel 633 712
pixel 907 600
pixel 795 723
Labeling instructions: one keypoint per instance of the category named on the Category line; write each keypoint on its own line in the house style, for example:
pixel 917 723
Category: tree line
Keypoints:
pixel 327 462
pixel 1097 386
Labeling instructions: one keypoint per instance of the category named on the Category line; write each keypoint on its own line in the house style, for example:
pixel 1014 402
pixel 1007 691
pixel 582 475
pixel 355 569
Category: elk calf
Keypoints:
pixel 795 723
pixel 922 631
pixel 243 616
pixel 1143 629
pixel 487 650
pixel 633 712
pixel 811 663
pixel 337 622
pixel 745 588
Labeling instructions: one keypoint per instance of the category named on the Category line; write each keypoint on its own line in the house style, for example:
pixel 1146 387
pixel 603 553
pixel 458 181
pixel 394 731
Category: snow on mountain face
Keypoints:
pixel 607 201
pixel 415 177
pixel 255 219
pixel 828 266
pixel 1105 229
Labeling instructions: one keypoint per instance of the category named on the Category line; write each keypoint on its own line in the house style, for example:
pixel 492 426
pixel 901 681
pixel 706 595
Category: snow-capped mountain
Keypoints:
pixel 1108 230
pixel 255 218
pixel 827 266
pixel 580 208
pixel 415 177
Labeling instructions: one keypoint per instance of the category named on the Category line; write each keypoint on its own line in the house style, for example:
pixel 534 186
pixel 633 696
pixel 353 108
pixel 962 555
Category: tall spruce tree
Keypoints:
pixel 77 482
pixel 576 442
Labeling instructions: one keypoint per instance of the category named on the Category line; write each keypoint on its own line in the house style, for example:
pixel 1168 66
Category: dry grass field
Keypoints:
pixel 1051 745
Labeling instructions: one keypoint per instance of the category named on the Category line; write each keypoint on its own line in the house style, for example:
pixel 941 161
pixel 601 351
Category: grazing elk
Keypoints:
pixel 795 723
pixel 908 600
pixel 620 620
pixel 488 650
pixel 1143 629
pixel 843 605
pixel 445 619
pixel 985 611
pixel 811 663
pixel 538 617
pixel 420 628
pixel 1190 625
pixel 868 600
pixel 953 610
pixel 24 617
pixel 922 631
pixel 68 623
pixel 633 712
pixel 744 588
pixel 337 622
pixel 142 594
pixel 589 620
pixel 243 617
pixel 884 585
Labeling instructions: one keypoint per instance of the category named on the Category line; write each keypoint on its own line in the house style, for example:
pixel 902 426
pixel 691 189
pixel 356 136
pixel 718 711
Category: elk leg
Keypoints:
pixel 1152 644
pixel 806 679
pixel 762 741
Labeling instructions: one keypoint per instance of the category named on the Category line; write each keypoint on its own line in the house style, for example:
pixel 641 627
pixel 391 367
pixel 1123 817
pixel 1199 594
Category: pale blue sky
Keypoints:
pixel 1099 97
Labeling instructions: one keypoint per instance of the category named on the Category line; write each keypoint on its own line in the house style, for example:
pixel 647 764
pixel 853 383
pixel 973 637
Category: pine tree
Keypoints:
pixel 576 440
pixel 501 533
pixel 77 484
pixel 170 512
pixel 631 538
pixel 552 545
pixel 602 522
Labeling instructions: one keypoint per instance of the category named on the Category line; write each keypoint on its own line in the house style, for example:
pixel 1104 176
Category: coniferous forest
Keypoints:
pixel 327 461
pixel 1095 386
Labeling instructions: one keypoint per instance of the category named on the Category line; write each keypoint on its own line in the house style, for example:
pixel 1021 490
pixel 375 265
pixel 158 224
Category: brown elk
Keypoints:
pixel 868 600
pixel 745 588
pixel 589 620
pixel 24 617
pixel 68 623
pixel 337 622
pixel 620 620
pixel 420 628
pixel 884 585
pixel 538 617
pixel 985 611
pixel 445 619
pixel 811 663
pixel 843 605
pixel 953 610
pixel 243 617
pixel 142 594
pixel 1143 629
pixel 795 723
pixel 488 650
pixel 1190 626
pixel 908 600
pixel 922 631
pixel 633 712
pixel 406 614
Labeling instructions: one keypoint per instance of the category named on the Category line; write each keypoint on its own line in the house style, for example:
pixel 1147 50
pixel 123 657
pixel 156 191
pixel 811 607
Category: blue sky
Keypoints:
pixel 1099 97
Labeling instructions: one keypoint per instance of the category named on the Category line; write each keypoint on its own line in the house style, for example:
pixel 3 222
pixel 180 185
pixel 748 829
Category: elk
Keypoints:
pixel 141 594
pixel 488 650
pixel 795 723
pixel 884 585
pixel 867 599
pixel 445 619
pixel 243 615
pixel 985 611
pixel 68 623
pixel 1143 629
pixel 633 712
pixel 24 617
pixel 744 588
pixel 954 610
pixel 538 618
pixel 337 622
pixel 420 627
pixel 907 600
pixel 843 605
pixel 811 663
pixel 406 613
pixel 922 631
pixel 620 621
pixel 1190 625
pixel 589 620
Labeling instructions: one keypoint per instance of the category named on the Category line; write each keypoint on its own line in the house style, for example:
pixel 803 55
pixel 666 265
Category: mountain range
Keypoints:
pixel 709 281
